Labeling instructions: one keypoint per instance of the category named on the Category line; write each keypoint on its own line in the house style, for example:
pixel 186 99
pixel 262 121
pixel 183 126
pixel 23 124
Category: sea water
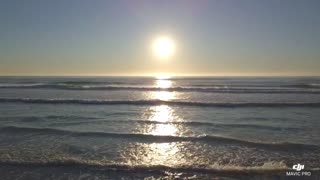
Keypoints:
pixel 143 127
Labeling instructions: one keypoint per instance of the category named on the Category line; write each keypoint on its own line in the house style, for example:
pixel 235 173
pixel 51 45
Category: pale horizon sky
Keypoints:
pixel 212 37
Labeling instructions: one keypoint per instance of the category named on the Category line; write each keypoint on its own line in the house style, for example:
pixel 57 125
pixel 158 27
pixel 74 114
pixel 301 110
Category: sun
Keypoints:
pixel 163 47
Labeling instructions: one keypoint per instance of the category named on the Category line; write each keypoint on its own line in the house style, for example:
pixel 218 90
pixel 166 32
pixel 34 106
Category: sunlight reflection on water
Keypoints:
pixel 162 95
pixel 155 154
pixel 159 153
pixel 163 83
pixel 163 114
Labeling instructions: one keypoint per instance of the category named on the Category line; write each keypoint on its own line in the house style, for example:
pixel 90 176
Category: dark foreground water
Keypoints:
pixel 146 128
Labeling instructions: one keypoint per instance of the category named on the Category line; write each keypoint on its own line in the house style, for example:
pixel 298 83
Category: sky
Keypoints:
pixel 212 37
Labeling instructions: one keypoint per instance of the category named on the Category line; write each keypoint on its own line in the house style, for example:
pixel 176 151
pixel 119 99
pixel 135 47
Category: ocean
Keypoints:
pixel 149 128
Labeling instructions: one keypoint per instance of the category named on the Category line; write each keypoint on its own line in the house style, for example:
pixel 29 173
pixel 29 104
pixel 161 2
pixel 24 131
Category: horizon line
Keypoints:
pixel 155 75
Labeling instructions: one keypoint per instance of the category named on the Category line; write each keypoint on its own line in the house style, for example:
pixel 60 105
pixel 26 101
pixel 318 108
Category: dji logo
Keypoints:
pixel 298 167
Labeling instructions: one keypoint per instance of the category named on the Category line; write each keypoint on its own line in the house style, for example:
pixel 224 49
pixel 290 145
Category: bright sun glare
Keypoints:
pixel 163 47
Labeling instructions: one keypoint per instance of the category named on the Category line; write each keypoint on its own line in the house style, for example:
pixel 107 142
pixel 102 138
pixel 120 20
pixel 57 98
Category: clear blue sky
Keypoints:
pixel 213 37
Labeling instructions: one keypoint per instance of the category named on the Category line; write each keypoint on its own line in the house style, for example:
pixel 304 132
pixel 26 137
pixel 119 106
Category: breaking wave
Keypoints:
pixel 157 138
pixel 298 88
pixel 153 102
pixel 267 167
